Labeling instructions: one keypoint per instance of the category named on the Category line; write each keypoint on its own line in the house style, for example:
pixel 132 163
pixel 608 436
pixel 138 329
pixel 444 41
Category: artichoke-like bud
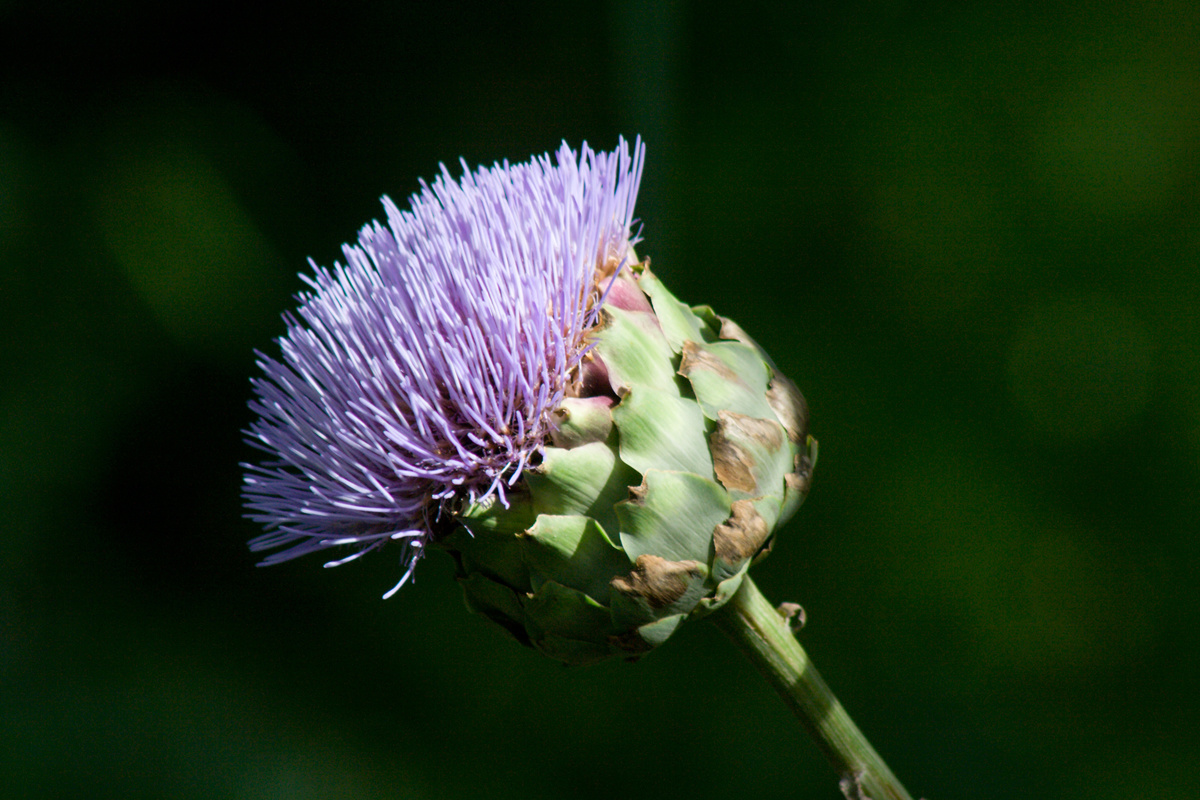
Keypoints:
pixel 677 454
pixel 492 372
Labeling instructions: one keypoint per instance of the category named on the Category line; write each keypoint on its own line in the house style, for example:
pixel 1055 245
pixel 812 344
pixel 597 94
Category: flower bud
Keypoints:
pixel 493 373
pixel 668 470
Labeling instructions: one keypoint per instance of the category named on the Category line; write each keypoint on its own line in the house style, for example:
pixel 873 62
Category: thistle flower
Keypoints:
pixel 497 375
pixel 425 368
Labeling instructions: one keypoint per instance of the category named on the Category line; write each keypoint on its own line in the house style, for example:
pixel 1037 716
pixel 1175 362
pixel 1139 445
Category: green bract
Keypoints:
pixel 665 478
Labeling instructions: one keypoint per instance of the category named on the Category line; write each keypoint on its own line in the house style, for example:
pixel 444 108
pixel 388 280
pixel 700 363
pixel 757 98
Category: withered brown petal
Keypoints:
pixel 659 581
pixel 790 406
pixel 742 534
pixel 733 464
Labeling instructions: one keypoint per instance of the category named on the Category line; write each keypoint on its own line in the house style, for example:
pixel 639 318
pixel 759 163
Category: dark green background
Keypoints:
pixel 968 231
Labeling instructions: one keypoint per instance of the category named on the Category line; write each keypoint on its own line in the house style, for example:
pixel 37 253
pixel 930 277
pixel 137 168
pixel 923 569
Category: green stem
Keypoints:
pixel 763 634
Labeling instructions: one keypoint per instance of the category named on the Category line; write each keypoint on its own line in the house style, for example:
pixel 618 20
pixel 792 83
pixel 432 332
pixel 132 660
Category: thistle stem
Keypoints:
pixel 763 635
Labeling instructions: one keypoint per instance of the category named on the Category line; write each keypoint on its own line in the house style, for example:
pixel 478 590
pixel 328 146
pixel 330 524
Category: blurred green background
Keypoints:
pixel 968 231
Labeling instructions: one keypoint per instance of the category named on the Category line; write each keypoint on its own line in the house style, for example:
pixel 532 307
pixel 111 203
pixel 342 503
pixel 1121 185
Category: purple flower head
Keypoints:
pixel 425 369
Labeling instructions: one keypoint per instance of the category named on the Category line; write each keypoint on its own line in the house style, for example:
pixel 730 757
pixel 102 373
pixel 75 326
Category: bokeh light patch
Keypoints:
pixel 1114 140
pixel 1081 368
pixel 186 243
